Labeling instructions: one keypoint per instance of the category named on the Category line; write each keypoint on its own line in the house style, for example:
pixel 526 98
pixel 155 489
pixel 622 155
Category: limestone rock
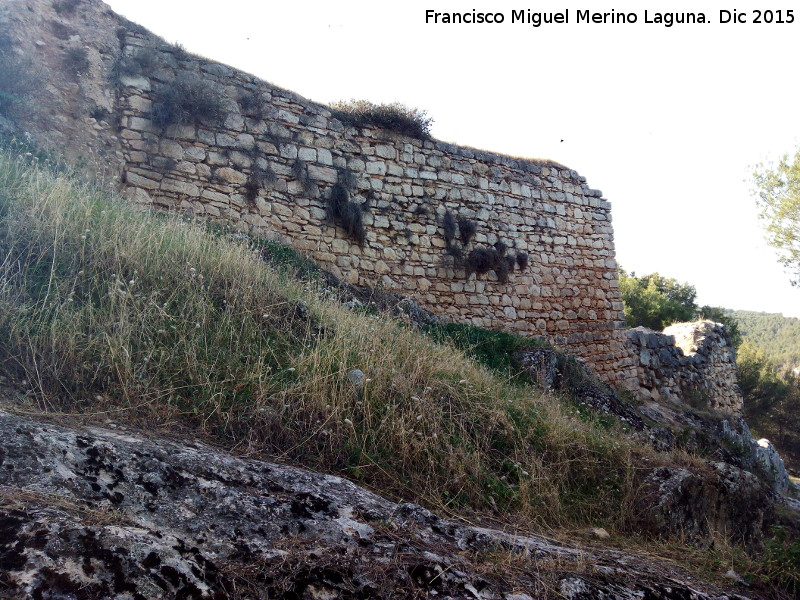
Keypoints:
pixel 772 463
pixel 356 377
pixel 540 365
pixel 95 513
pixel 726 499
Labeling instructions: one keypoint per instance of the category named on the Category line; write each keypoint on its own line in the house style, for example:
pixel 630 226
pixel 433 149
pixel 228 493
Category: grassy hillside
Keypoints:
pixel 103 308
pixel 162 323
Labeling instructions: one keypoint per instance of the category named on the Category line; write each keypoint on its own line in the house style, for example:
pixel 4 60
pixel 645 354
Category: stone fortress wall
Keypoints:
pixel 272 162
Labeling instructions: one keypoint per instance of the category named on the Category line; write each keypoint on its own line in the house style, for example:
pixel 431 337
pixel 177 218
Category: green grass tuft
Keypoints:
pixel 493 349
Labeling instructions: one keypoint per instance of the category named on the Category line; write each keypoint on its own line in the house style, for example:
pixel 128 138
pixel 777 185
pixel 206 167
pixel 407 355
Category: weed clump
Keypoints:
pixel 59 30
pixel 252 103
pixel 346 214
pixel 189 99
pixel 449 228
pixel 66 7
pixel 483 260
pixel 258 179
pixel 76 60
pixel 144 62
pixel 394 117
pixel 466 229
pixel 300 170
pixel 252 186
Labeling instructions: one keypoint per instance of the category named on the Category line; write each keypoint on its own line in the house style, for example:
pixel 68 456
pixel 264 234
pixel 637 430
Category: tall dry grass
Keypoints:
pixel 99 301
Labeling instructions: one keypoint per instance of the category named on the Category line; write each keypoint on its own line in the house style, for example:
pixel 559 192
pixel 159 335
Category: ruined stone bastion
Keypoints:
pixel 688 362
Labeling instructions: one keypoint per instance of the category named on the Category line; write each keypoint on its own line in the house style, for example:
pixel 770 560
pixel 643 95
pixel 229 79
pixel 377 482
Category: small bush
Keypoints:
pixel 449 227
pixel 511 263
pixel 252 104
pixel 144 62
pixel 66 7
pixel 482 260
pixel 300 170
pixel 189 99
pixel 179 51
pixel 258 179
pixel 347 179
pixel 394 117
pixel 466 229
pixel 60 30
pixel 522 260
pixel 346 214
pixel 76 60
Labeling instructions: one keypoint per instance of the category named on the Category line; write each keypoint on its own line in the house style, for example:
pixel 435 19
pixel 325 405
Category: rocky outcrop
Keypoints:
pixel 772 464
pixel 666 425
pixel 725 500
pixel 689 362
pixel 553 370
pixel 93 513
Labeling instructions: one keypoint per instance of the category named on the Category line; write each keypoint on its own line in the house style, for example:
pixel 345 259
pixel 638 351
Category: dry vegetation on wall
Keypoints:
pixel 394 117
pixel 189 98
pixel 104 308
pixel 346 214
pixel 478 260
pixel 76 60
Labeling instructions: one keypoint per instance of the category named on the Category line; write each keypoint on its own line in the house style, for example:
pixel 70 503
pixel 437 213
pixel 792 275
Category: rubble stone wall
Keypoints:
pixel 689 362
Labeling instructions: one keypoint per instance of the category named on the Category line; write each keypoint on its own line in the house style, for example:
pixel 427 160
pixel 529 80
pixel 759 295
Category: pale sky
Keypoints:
pixel 666 121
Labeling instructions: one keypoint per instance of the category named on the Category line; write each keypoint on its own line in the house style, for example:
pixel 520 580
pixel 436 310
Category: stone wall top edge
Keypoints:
pixel 532 166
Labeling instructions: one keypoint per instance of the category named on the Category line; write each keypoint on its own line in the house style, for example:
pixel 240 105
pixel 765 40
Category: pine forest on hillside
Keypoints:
pixel 777 335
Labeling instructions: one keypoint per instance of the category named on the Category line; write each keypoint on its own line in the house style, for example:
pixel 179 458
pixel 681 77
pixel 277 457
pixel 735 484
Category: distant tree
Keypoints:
pixel 777 193
pixel 656 301
pixel 771 400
